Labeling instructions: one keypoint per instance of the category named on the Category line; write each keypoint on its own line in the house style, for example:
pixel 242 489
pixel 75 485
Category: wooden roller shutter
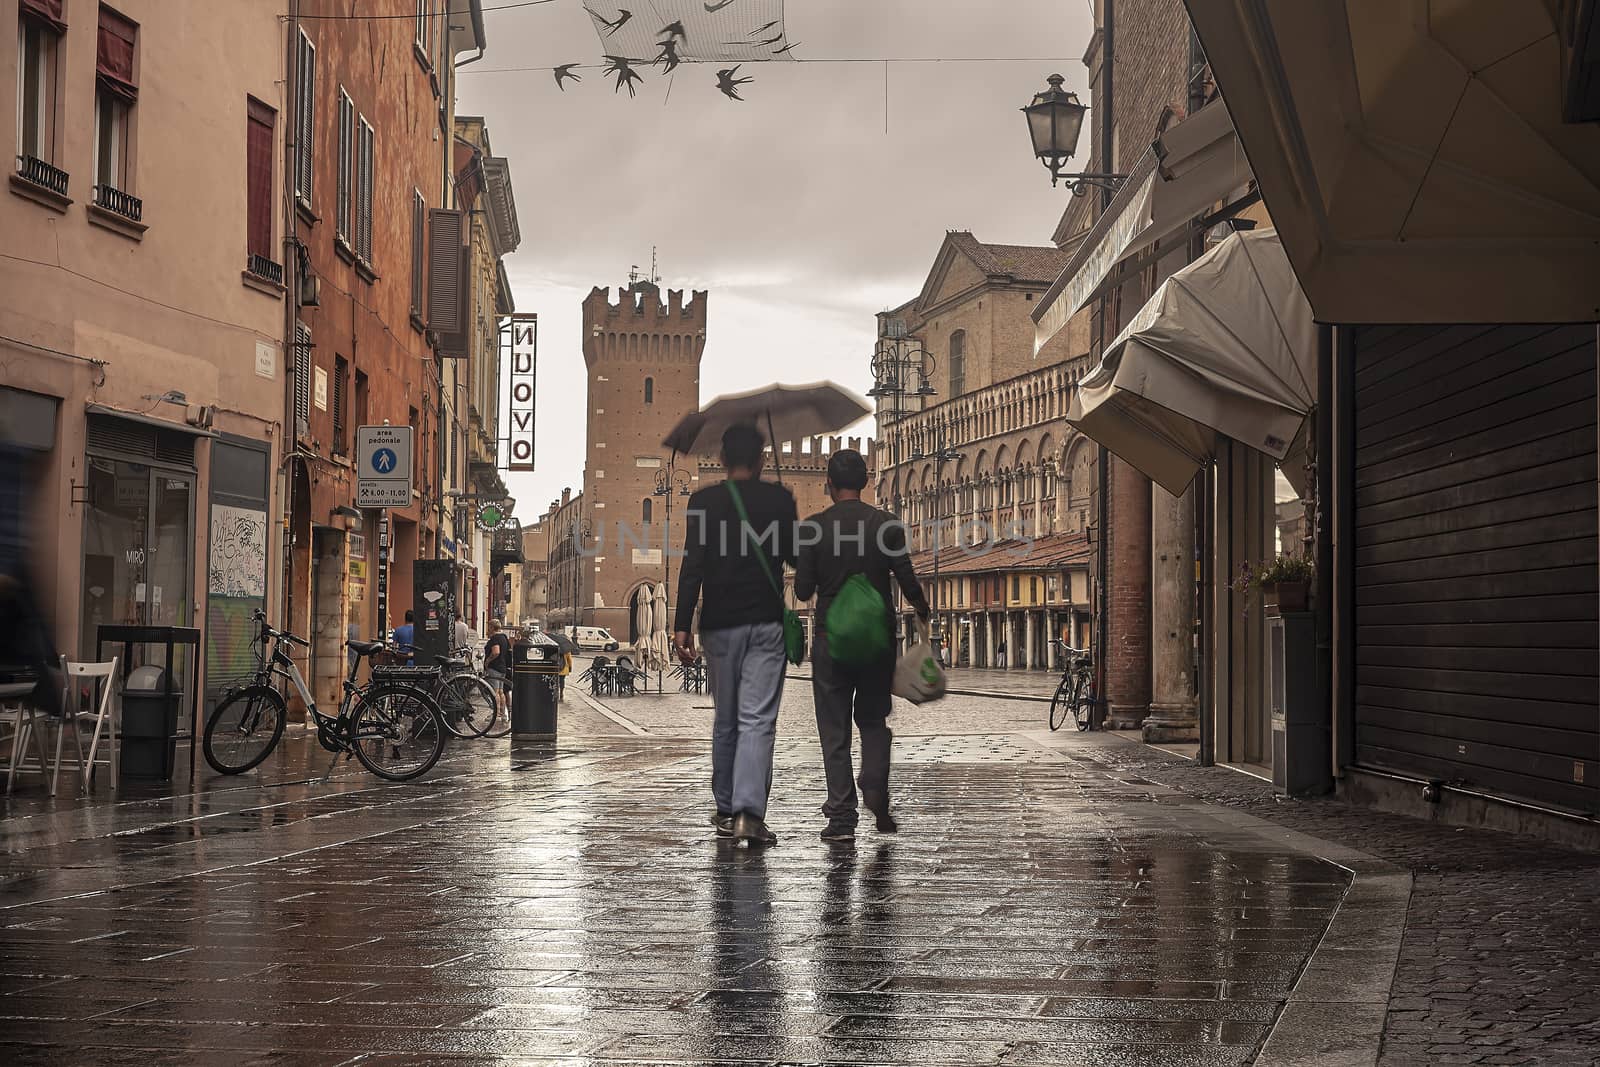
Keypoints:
pixel 1477 634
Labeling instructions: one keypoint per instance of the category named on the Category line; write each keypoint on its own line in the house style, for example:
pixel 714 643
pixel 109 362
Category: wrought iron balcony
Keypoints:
pixel 41 173
pixel 264 268
pixel 119 202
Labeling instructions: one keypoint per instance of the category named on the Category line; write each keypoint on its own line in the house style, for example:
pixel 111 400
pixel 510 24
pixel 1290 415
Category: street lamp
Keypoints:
pixel 1055 118
pixel 937 429
pixel 670 482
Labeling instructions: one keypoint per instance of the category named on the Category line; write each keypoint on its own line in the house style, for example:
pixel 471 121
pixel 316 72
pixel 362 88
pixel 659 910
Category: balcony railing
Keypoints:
pixel 119 203
pixel 262 267
pixel 39 172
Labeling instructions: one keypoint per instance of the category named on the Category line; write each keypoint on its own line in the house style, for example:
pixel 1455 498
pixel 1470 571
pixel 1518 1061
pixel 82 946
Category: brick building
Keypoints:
pixel 371 154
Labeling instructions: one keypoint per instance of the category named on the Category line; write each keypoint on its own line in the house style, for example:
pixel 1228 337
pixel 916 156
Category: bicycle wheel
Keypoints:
pixel 1083 705
pixel 244 729
pixel 396 731
pixel 468 704
pixel 1061 703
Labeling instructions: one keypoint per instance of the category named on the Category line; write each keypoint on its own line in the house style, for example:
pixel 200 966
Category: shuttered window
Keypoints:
pixel 445 269
pixel 341 371
pixel 364 149
pixel 258 179
pixel 419 247
pixel 305 104
pixel 302 380
pixel 346 166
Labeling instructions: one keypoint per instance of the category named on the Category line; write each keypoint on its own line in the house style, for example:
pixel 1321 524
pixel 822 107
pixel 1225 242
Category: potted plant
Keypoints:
pixel 1286 582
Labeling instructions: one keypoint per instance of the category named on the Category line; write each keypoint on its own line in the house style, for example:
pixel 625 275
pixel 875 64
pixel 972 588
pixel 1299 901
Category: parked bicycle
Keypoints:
pixel 1075 695
pixel 392 724
pixel 468 702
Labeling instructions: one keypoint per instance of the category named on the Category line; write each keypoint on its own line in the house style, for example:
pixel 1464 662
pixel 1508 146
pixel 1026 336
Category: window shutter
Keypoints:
pixel 114 55
pixel 258 180
pixel 302 380
pixel 347 118
pixel 341 370
pixel 305 105
pixel 364 190
pixel 446 273
pixel 419 223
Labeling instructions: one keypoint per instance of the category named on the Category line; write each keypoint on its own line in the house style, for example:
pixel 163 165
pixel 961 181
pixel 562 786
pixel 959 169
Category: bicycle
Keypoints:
pixel 392 725
pixel 466 701
pixel 1075 693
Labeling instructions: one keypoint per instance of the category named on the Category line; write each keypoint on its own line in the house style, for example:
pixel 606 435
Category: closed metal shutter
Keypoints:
pixel 1477 634
pixel 236 571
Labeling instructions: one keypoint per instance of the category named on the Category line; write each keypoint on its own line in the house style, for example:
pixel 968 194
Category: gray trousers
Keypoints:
pixel 861 692
pixel 744 665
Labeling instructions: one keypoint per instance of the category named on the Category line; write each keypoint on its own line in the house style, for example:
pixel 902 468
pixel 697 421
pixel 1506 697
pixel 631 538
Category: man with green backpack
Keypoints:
pixel 847 555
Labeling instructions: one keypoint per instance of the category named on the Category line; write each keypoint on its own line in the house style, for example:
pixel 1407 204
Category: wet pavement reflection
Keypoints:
pixel 576 906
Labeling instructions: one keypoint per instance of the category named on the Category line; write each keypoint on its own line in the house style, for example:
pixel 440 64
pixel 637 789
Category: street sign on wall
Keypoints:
pixel 383 466
pixel 521 381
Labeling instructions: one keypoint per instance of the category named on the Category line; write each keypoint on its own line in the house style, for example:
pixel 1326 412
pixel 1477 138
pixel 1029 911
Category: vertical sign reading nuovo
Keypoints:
pixel 524 366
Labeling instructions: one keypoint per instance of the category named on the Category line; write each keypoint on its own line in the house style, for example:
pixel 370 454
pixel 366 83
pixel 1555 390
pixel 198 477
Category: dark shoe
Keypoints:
pixel 752 831
pixel 879 806
pixel 723 823
pixel 838 831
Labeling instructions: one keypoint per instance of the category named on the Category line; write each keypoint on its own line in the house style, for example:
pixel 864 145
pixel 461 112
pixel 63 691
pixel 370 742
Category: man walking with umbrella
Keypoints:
pixel 739 535
pixel 847 555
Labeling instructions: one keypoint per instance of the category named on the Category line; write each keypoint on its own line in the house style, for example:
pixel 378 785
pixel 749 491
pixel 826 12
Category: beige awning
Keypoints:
pixel 1189 168
pixel 1226 346
pixel 1413 155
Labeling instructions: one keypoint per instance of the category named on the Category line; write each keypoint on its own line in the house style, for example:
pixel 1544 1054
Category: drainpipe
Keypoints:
pixel 291 311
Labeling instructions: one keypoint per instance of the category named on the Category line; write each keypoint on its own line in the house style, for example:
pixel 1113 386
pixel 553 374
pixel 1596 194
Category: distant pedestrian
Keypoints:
pixel 497 662
pixel 405 637
pixel 848 539
pixel 462 639
pixel 1000 653
pixel 733 564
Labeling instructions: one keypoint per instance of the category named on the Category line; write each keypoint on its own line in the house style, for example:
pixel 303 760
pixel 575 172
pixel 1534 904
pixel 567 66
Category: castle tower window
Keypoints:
pixel 649 393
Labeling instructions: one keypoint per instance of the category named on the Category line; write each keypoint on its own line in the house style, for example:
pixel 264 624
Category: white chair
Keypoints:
pixel 102 712
pixel 16 705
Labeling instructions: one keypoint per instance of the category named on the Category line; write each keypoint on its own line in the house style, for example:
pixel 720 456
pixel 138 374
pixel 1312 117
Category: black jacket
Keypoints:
pixel 853 537
pixel 735 588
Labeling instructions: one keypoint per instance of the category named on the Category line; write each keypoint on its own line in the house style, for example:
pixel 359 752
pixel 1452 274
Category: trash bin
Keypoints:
pixel 536 663
pixel 149 725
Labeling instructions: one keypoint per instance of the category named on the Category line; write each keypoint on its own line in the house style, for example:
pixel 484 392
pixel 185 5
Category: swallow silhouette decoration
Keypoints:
pixel 623 15
pixel 564 73
pixel 728 85
pixel 668 59
pixel 622 67
pixel 674 30
pixel 714 8
pixel 759 30
pixel 787 48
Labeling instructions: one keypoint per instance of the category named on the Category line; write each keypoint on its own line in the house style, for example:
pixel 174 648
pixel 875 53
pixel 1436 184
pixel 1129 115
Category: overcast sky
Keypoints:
pixel 795 208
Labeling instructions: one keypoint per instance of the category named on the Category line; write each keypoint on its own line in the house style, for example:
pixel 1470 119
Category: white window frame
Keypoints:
pixel 115 177
pixel 49 47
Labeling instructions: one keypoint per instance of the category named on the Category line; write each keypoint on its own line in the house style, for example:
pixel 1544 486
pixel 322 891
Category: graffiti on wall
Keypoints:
pixel 238 565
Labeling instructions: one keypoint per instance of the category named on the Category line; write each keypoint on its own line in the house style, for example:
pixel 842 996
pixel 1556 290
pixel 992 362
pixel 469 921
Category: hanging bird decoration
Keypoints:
pixel 668 59
pixel 771 41
pixel 674 31
pixel 563 73
pixel 787 48
pixel 759 30
pixel 728 85
pixel 712 9
pixel 623 15
pixel 622 67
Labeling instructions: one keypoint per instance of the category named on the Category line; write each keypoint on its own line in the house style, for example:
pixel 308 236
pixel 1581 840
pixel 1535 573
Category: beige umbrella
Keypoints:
pixel 663 632
pixel 643 624
pixel 1225 346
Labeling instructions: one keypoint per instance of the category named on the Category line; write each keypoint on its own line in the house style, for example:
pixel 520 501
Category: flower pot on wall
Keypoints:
pixel 1286 596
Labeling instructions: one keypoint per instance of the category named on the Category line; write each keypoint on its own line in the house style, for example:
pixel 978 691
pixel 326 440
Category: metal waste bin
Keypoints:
pixel 149 725
pixel 536 663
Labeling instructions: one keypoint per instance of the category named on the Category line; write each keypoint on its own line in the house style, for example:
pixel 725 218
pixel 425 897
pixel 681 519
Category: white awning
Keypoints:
pixel 1414 156
pixel 1225 346
pixel 1189 168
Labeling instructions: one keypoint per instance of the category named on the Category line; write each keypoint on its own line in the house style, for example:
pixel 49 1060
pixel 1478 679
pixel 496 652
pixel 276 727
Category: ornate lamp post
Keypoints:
pixel 670 482
pixel 935 433
pixel 1055 118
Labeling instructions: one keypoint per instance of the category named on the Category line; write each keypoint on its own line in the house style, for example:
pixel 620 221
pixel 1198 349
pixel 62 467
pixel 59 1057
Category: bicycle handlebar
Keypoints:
pixel 266 631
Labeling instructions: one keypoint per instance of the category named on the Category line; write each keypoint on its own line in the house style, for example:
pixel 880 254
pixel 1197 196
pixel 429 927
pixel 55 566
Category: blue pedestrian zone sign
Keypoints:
pixel 383 466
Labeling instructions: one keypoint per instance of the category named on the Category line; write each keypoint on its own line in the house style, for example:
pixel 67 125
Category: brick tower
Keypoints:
pixel 643 360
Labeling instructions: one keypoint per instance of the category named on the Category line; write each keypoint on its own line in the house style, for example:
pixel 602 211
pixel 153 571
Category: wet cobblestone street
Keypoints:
pixel 1036 908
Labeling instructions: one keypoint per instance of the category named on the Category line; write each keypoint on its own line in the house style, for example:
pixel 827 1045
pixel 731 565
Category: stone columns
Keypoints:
pixel 988 639
pixel 1127 651
pixel 1049 641
pixel 1028 627
pixel 1172 705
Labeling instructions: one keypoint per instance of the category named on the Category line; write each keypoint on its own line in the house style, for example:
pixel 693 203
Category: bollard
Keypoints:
pixel 535 667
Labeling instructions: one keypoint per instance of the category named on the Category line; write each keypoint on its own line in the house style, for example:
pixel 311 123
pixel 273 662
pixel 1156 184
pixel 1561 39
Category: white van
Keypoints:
pixel 593 638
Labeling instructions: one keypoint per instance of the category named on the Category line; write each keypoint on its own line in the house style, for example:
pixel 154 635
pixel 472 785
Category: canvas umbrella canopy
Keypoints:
pixel 663 633
pixel 1226 346
pixel 643 625
pixel 784 412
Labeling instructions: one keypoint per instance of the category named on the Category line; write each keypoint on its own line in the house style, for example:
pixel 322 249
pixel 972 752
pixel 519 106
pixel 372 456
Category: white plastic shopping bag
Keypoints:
pixel 918 676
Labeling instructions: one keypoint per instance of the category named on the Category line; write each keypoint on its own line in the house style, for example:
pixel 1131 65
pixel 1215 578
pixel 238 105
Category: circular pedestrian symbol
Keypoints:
pixel 383 460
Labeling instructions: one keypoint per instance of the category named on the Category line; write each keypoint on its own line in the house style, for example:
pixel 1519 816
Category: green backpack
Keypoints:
pixel 857 623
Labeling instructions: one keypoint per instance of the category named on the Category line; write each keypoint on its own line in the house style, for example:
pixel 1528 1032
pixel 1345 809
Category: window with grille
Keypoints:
pixel 364 190
pixel 341 371
pixel 258 179
pixel 302 380
pixel 419 239
pixel 649 390
pixel 346 166
pixel 37 43
pixel 304 108
pixel 649 505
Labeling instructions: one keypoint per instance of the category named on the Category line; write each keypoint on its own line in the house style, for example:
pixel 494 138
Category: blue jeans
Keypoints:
pixel 745 666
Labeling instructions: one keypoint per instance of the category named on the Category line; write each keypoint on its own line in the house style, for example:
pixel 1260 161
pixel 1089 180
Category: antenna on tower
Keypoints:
pixel 655 276
pixel 633 274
